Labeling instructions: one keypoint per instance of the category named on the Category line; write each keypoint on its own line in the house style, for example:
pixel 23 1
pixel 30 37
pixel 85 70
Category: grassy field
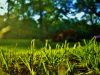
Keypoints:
pixel 34 57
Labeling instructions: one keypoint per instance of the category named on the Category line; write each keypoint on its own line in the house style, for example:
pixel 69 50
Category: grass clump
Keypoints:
pixel 79 59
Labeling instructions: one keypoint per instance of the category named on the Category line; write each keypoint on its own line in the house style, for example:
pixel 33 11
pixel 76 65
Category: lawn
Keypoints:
pixel 34 57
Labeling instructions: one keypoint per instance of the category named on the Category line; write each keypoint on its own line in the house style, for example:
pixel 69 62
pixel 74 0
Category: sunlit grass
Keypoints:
pixel 63 59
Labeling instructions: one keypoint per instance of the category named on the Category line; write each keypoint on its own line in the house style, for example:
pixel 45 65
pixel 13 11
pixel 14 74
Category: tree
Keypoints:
pixel 52 12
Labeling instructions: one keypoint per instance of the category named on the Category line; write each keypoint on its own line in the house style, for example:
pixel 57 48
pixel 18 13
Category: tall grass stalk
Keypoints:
pixel 4 60
pixel 25 61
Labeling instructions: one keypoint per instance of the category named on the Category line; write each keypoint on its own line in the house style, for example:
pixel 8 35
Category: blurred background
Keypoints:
pixel 42 19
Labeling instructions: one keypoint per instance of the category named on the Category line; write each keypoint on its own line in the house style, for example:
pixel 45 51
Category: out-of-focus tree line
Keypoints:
pixel 44 18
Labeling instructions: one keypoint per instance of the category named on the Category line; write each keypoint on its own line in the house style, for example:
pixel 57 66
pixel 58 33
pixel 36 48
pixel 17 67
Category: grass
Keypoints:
pixel 26 58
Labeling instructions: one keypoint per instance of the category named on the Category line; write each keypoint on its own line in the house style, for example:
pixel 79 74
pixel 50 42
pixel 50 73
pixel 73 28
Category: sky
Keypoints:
pixel 4 5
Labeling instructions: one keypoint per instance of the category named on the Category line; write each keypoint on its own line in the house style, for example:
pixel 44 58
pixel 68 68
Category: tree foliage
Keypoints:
pixel 53 14
pixel 90 8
